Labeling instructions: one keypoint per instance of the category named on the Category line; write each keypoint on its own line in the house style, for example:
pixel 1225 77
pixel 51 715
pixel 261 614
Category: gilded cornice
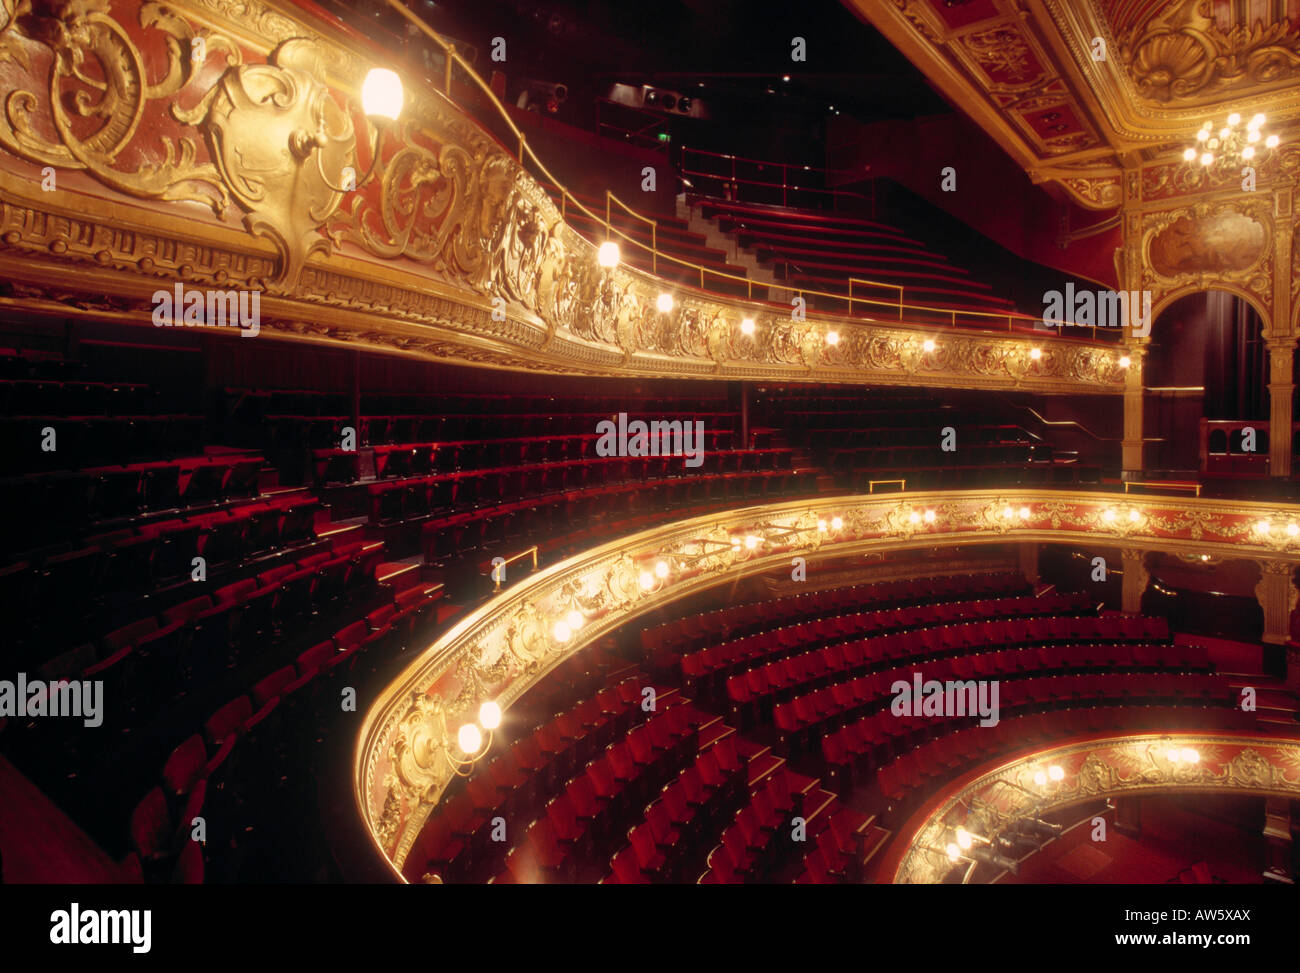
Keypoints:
pixel 507 645
pixel 195 150
pixel 1106 767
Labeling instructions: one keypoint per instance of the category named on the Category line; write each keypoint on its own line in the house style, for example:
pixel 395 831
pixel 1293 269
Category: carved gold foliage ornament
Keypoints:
pixel 96 94
pixel 279 139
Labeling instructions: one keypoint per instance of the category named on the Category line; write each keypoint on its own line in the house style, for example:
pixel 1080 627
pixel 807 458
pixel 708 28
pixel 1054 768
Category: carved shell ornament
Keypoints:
pixel 255 119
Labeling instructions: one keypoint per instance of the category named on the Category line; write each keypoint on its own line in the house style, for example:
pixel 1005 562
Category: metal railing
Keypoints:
pixel 657 257
pixel 729 183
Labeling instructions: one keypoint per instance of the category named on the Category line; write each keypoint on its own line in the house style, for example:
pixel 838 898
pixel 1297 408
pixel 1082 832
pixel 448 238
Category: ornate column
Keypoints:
pixel 1132 456
pixel 1029 562
pixel 1281 389
pixel 1277 595
pixel 1135 580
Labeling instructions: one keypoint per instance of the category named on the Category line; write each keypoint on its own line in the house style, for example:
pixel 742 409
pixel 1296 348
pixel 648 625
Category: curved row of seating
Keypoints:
pixel 248 756
pixel 577 510
pixel 682 635
pixel 708 669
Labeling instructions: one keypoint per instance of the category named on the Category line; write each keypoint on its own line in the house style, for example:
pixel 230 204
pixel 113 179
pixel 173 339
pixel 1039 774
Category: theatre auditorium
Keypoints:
pixel 697 442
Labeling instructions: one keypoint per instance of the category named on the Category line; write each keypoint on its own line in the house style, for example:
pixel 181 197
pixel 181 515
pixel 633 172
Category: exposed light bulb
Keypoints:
pixel 1125 361
pixel 608 255
pixel 574 619
pixel 747 326
pixel 832 337
pixel 1272 142
pixel 661 569
pixel 927 345
pixel 929 516
pixel 1207 159
pixel 664 303
pixel 469 739
pixel 1234 119
pixel 1035 353
pixel 1248 153
pixel 562 632
pixel 489 715
pixel 1189 155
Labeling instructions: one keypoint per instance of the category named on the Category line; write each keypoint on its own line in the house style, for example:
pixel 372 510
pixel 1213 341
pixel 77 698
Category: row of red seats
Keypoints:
pixel 202 775
pixel 130 562
pixel 1079 704
pixel 150 660
pixel 50 397
pixel 40 443
pixel 1007 619
pixel 653 850
pixel 70 501
pixel 452 535
pixel 809 713
pixel 725 624
pixel 802 672
pixel 564 844
pixel 524 454
pixel 838 856
pixel 761 836
pixel 404 499
pixel 326 432
pixel 916 771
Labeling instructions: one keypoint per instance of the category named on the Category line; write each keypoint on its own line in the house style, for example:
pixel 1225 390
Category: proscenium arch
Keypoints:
pixel 1161 304
pixel 1098 766
pixel 507 645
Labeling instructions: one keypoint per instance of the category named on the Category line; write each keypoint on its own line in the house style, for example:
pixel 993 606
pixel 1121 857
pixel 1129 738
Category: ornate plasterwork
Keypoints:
pixel 507 645
pixel 1225 244
pixel 1121 94
pixel 1183 54
pixel 252 114
pixel 1113 766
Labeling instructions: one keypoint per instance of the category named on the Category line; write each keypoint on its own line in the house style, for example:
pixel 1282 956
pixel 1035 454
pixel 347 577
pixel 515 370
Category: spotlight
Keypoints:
pixel 665 302
pixel 608 255
pixel 747 326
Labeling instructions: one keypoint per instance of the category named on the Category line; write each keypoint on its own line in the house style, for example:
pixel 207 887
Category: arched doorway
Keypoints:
pixel 1206 384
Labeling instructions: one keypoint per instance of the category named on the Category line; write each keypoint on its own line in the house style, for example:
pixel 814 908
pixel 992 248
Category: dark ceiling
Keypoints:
pixel 732 55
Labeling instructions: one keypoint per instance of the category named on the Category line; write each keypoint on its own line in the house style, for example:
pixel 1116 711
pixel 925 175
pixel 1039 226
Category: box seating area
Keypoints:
pixel 817 250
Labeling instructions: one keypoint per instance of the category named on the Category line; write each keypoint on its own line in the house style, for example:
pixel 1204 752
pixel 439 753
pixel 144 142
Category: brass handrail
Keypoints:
pixel 1164 484
pixel 498 570
pixel 871 484
pixel 566 197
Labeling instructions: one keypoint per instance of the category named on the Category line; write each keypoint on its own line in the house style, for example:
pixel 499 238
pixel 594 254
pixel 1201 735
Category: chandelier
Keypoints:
pixel 1232 146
